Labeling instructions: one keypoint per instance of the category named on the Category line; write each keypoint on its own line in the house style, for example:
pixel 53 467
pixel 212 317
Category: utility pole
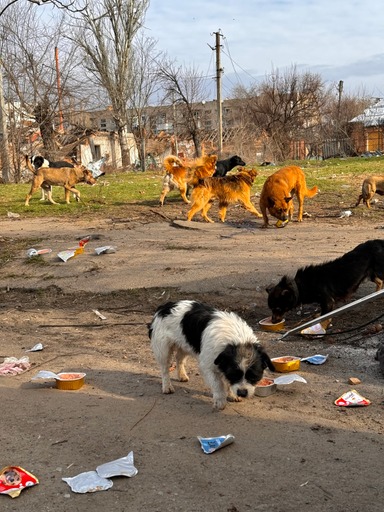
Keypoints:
pixel 4 149
pixel 219 71
pixel 61 125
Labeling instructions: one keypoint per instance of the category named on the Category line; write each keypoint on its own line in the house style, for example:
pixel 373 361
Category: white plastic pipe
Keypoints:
pixel 335 312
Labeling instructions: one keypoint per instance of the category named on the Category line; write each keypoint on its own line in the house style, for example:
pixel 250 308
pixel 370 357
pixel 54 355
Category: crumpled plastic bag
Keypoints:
pixel 14 366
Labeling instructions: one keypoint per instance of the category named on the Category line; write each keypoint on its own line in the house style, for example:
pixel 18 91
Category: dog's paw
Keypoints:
pixel 168 390
pixel 234 398
pixel 183 377
pixel 219 404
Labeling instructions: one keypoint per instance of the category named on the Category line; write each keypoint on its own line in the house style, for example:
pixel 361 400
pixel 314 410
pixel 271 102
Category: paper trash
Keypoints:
pixel 211 444
pixel 14 366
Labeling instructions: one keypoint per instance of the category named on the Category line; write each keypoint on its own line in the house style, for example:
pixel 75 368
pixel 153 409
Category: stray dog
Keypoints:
pixel 329 282
pixel 39 161
pixel 230 358
pixel 66 177
pixel 371 186
pixel 182 176
pixel 229 189
pixel 224 166
pixel 276 194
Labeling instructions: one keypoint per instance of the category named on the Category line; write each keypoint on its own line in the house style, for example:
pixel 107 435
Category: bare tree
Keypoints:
pixel 184 87
pixel 284 106
pixel 105 36
pixel 72 6
pixel 144 84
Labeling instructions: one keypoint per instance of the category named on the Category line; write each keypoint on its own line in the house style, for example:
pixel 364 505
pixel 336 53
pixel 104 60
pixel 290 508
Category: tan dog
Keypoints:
pixel 181 176
pixel 371 186
pixel 277 194
pixel 230 189
pixel 67 177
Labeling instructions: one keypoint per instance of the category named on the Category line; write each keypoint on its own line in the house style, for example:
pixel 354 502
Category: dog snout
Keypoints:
pixel 243 393
pixel 276 318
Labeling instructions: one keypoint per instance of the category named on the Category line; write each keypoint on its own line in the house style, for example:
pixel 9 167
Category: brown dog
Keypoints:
pixel 230 189
pixel 277 194
pixel 371 186
pixel 67 177
pixel 181 176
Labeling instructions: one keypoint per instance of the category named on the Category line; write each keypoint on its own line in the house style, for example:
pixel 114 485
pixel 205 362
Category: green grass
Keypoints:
pixel 113 191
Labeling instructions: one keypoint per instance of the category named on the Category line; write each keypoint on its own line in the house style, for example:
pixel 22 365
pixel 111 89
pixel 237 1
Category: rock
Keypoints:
pixel 354 381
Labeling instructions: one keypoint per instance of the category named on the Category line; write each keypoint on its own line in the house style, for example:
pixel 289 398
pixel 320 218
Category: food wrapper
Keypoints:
pixel 89 481
pixel 74 251
pixel 289 379
pixel 36 252
pixel 314 330
pixel 119 467
pixel 13 479
pixel 316 359
pixel 352 399
pixel 211 444
pixel 107 249
pixel 99 480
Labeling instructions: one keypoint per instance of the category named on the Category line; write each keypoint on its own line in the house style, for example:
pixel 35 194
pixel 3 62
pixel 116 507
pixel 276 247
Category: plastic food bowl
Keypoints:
pixel 265 387
pixel 286 363
pixel 267 325
pixel 70 381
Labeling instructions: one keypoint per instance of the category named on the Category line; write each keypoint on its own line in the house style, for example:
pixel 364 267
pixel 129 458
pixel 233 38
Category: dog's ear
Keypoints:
pixel 223 360
pixel 265 359
pixel 287 199
pixel 269 288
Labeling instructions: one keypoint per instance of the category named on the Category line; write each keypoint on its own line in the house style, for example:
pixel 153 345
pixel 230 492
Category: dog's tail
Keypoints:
pixel 310 192
pixel 172 161
pixel 29 164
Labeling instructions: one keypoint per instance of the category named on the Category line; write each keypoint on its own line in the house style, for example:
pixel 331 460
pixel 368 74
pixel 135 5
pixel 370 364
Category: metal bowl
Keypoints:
pixel 265 387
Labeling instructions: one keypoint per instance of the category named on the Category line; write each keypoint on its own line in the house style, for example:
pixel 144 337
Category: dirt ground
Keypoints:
pixel 293 451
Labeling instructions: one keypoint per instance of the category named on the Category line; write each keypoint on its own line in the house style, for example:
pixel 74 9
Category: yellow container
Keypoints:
pixel 286 363
pixel 70 381
pixel 267 325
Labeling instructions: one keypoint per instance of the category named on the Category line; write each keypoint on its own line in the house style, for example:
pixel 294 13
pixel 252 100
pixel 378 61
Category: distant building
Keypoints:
pixel 368 136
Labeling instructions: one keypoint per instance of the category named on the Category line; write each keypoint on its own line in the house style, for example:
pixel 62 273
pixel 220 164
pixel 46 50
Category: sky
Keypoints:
pixel 338 39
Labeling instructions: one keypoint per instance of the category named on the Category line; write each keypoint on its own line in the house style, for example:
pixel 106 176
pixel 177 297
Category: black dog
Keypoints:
pixel 39 161
pixel 224 166
pixel 329 282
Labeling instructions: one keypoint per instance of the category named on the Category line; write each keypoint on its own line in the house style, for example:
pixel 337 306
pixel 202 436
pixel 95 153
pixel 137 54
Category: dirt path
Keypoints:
pixel 293 451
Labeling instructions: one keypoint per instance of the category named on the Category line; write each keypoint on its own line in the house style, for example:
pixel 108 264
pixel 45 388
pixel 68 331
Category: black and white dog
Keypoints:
pixel 230 358
pixel 329 282
pixel 39 161
pixel 224 166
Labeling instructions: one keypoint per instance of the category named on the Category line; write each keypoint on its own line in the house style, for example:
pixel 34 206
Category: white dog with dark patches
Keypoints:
pixel 230 358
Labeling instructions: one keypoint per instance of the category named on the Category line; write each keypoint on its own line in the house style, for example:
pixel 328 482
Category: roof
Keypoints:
pixel 372 116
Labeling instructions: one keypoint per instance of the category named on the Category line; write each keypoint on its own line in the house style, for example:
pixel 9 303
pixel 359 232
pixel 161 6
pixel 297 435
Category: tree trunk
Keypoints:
pixel 5 160
pixel 125 149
